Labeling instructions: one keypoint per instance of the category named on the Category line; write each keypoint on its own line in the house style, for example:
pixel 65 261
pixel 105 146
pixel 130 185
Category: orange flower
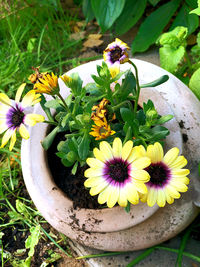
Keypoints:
pixel 101 129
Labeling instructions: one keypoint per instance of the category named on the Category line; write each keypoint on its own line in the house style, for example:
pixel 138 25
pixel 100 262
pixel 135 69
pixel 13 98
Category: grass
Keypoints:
pixel 37 33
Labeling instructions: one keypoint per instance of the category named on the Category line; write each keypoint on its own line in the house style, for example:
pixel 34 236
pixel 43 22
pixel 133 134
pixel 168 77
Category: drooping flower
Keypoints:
pixel 99 110
pixel 117 173
pixel 116 54
pixel 14 115
pixel 168 177
pixel 47 85
pixel 34 78
pixel 101 129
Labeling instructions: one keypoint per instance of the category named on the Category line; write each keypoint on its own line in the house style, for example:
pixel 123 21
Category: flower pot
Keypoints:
pixel 114 229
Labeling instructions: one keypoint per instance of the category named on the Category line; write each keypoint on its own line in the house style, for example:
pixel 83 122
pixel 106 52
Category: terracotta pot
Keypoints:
pixel 113 229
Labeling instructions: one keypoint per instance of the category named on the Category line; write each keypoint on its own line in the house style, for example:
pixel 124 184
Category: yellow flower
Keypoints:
pixel 117 173
pixel 66 79
pixel 116 54
pixel 47 85
pixel 167 176
pixel 14 115
pixel 101 130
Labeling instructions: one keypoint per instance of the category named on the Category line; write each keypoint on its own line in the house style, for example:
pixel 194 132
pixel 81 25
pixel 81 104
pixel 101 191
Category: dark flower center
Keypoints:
pixel 15 116
pixel 117 170
pixel 159 173
pixel 116 54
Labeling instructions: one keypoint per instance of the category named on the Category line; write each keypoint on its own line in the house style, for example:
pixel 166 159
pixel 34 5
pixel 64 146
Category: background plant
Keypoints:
pixel 126 13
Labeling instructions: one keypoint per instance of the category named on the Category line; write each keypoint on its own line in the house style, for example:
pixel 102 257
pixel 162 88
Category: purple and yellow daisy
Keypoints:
pixel 116 54
pixel 117 173
pixel 167 176
pixel 14 115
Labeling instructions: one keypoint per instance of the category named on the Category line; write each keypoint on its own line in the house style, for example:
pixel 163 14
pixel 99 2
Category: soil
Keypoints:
pixel 71 185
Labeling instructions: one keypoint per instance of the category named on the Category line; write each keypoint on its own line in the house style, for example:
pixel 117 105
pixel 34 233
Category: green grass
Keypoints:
pixel 33 35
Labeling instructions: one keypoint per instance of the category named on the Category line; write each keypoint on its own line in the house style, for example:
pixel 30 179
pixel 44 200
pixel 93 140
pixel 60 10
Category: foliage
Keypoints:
pixel 73 115
pixel 175 58
pixel 121 16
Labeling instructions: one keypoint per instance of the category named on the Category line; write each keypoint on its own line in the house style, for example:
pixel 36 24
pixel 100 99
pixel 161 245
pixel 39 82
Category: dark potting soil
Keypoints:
pixel 71 185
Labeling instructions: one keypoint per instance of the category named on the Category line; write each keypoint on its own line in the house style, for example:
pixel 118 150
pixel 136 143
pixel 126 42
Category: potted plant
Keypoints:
pixel 108 130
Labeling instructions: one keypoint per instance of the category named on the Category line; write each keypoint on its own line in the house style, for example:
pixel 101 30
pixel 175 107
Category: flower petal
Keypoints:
pixel 113 197
pixel 13 140
pixel 155 152
pixel 140 175
pixel 126 150
pixel 4 99
pixel 32 119
pixel 122 200
pixel 98 154
pixel 6 137
pixel 19 92
pixel 93 181
pixel 106 149
pixel 172 192
pixel 23 132
pixel 117 147
pixel 141 187
pixel 161 200
pixel 92 162
pixel 28 99
pixel 141 163
pixel 132 194
pixel 93 172
pixel 179 163
pixel 99 188
pixel 152 197
pixel 171 156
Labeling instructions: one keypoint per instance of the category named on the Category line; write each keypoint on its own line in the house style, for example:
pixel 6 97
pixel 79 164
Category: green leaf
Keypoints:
pixel 191 3
pixel 191 21
pixel 21 208
pixel 158 133
pixel 128 207
pixel 131 13
pixel 194 83
pixel 52 104
pixel 164 119
pixel 74 169
pixel 171 57
pixel 196 10
pixel 33 239
pixel 154 2
pixel 84 146
pixel 71 156
pixel 107 11
pixel 87 10
pixel 48 140
pixel 174 38
pixel 153 26
pixel 128 86
pixel 31 44
pixel 75 84
pixel 157 82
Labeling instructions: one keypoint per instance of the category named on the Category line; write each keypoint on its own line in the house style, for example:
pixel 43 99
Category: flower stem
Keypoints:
pixel 122 104
pixel 138 87
pixel 64 103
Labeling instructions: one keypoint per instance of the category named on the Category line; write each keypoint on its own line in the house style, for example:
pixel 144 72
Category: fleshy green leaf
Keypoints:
pixel 87 10
pixel 132 12
pixel 153 26
pixel 195 83
pixel 171 57
pixel 107 11
pixel 157 82
pixel 128 86
pixel 191 3
pixel 84 146
pixel 48 140
pixel 191 21
pixel 31 44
